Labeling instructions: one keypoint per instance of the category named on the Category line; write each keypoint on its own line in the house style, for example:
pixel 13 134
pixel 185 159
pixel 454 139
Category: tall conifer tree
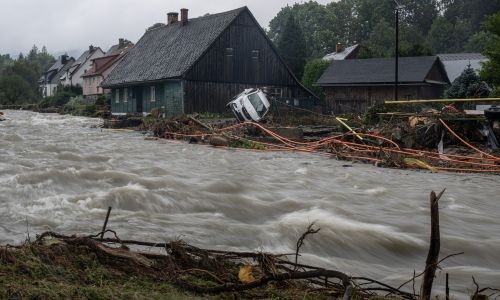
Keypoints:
pixel 292 47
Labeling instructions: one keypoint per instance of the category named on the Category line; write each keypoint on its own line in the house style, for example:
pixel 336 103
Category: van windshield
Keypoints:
pixel 257 103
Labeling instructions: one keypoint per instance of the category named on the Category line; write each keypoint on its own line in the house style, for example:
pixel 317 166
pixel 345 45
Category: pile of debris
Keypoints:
pixel 425 141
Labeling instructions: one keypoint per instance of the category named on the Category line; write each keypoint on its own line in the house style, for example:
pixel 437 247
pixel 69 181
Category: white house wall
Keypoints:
pixel 77 76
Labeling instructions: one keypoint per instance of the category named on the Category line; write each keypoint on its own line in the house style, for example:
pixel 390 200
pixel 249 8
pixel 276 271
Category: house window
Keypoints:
pixel 117 96
pixel 153 94
pixel 125 95
pixel 255 54
pixel 229 52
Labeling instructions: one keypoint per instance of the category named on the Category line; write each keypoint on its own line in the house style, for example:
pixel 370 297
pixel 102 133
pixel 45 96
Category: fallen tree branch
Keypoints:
pixel 422 273
pixel 389 288
pixel 300 241
pixel 477 295
pixel 100 247
pixel 232 287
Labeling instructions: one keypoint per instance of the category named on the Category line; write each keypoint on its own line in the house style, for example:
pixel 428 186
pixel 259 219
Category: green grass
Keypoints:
pixel 63 272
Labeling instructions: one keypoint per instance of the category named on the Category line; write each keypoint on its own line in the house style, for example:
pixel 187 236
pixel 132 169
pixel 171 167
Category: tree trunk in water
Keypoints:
pixel 435 244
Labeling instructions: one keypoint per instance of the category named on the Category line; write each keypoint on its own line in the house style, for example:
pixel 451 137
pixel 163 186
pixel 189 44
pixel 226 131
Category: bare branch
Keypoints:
pixel 300 242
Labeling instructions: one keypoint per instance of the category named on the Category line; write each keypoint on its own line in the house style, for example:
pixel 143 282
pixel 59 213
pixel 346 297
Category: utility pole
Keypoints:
pixel 396 71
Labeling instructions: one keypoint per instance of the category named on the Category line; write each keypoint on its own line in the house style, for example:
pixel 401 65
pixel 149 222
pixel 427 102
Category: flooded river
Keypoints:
pixel 61 173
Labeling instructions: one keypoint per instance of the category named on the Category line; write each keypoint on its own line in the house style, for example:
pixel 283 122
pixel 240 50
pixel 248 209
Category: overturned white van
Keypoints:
pixel 250 105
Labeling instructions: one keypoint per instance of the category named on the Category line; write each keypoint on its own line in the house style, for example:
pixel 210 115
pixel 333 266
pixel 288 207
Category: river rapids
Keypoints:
pixel 61 173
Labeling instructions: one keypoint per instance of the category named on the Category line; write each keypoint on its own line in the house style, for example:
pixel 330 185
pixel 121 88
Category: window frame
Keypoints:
pixel 152 93
pixel 117 96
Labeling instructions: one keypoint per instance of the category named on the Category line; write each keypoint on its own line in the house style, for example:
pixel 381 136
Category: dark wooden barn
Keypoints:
pixel 198 65
pixel 352 86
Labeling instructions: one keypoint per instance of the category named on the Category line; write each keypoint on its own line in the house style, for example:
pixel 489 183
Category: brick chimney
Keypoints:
pixel 172 17
pixel 184 16
pixel 338 48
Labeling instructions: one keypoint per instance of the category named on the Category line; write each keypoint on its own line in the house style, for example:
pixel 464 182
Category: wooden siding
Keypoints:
pixel 241 64
pixel 437 73
pixel 174 98
pixel 340 100
pixel 168 98
pixel 120 105
pixel 242 57
pixel 213 96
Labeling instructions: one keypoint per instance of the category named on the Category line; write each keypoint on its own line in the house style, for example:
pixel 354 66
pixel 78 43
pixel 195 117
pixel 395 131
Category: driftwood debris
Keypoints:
pixel 207 271
pixel 435 244
pixel 186 262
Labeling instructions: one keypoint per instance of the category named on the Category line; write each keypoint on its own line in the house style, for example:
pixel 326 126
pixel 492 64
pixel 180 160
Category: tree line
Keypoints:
pixel 303 33
pixel 306 32
pixel 19 77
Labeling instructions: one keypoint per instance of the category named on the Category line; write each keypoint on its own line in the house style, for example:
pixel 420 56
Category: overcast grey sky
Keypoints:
pixel 71 26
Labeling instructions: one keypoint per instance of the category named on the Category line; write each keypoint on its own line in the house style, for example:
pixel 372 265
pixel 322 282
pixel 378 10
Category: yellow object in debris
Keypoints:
pixel 245 274
pixel 413 162
pixel 341 121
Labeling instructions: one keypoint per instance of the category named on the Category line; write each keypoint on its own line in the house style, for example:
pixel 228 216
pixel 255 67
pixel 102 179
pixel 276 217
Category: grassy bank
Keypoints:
pixel 62 271
pixel 56 266
pixel 83 268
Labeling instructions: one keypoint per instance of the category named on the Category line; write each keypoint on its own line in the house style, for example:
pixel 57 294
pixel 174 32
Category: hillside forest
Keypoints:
pixel 305 32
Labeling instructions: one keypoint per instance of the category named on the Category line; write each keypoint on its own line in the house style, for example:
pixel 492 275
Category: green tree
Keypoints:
pixel 472 11
pixel 370 13
pixel 24 73
pixel 468 85
pixel 27 70
pixel 441 35
pixel 345 22
pixel 5 61
pixel 419 14
pixel 312 72
pixel 479 42
pixel 448 37
pixel 491 69
pixel 382 40
pixel 292 47
pixel 42 58
pixel 45 60
pixel 315 22
pixel 14 90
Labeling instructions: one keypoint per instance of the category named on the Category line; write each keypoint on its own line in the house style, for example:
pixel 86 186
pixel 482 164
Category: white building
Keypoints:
pixel 73 76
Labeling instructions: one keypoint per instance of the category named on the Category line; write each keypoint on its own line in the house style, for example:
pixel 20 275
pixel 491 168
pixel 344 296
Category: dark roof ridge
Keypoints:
pixel 169 51
pixel 220 13
pixel 380 70
pixel 200 18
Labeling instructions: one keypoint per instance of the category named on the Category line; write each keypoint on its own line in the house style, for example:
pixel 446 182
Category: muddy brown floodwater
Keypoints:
pixel 61 173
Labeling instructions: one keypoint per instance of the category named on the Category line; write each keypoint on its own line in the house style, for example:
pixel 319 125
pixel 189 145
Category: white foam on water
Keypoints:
pixel 62 174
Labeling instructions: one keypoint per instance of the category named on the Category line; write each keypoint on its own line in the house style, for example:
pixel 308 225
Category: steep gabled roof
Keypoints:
pixel 103 63
pixel 57 78
pixel 55 71
pixel 82 59
pixel 342 54
pixel 378 71
pixel 456 63
pixel 168 51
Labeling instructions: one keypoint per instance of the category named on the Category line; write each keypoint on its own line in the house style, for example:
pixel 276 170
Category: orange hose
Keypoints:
pixel 467 144
pixel 363 149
